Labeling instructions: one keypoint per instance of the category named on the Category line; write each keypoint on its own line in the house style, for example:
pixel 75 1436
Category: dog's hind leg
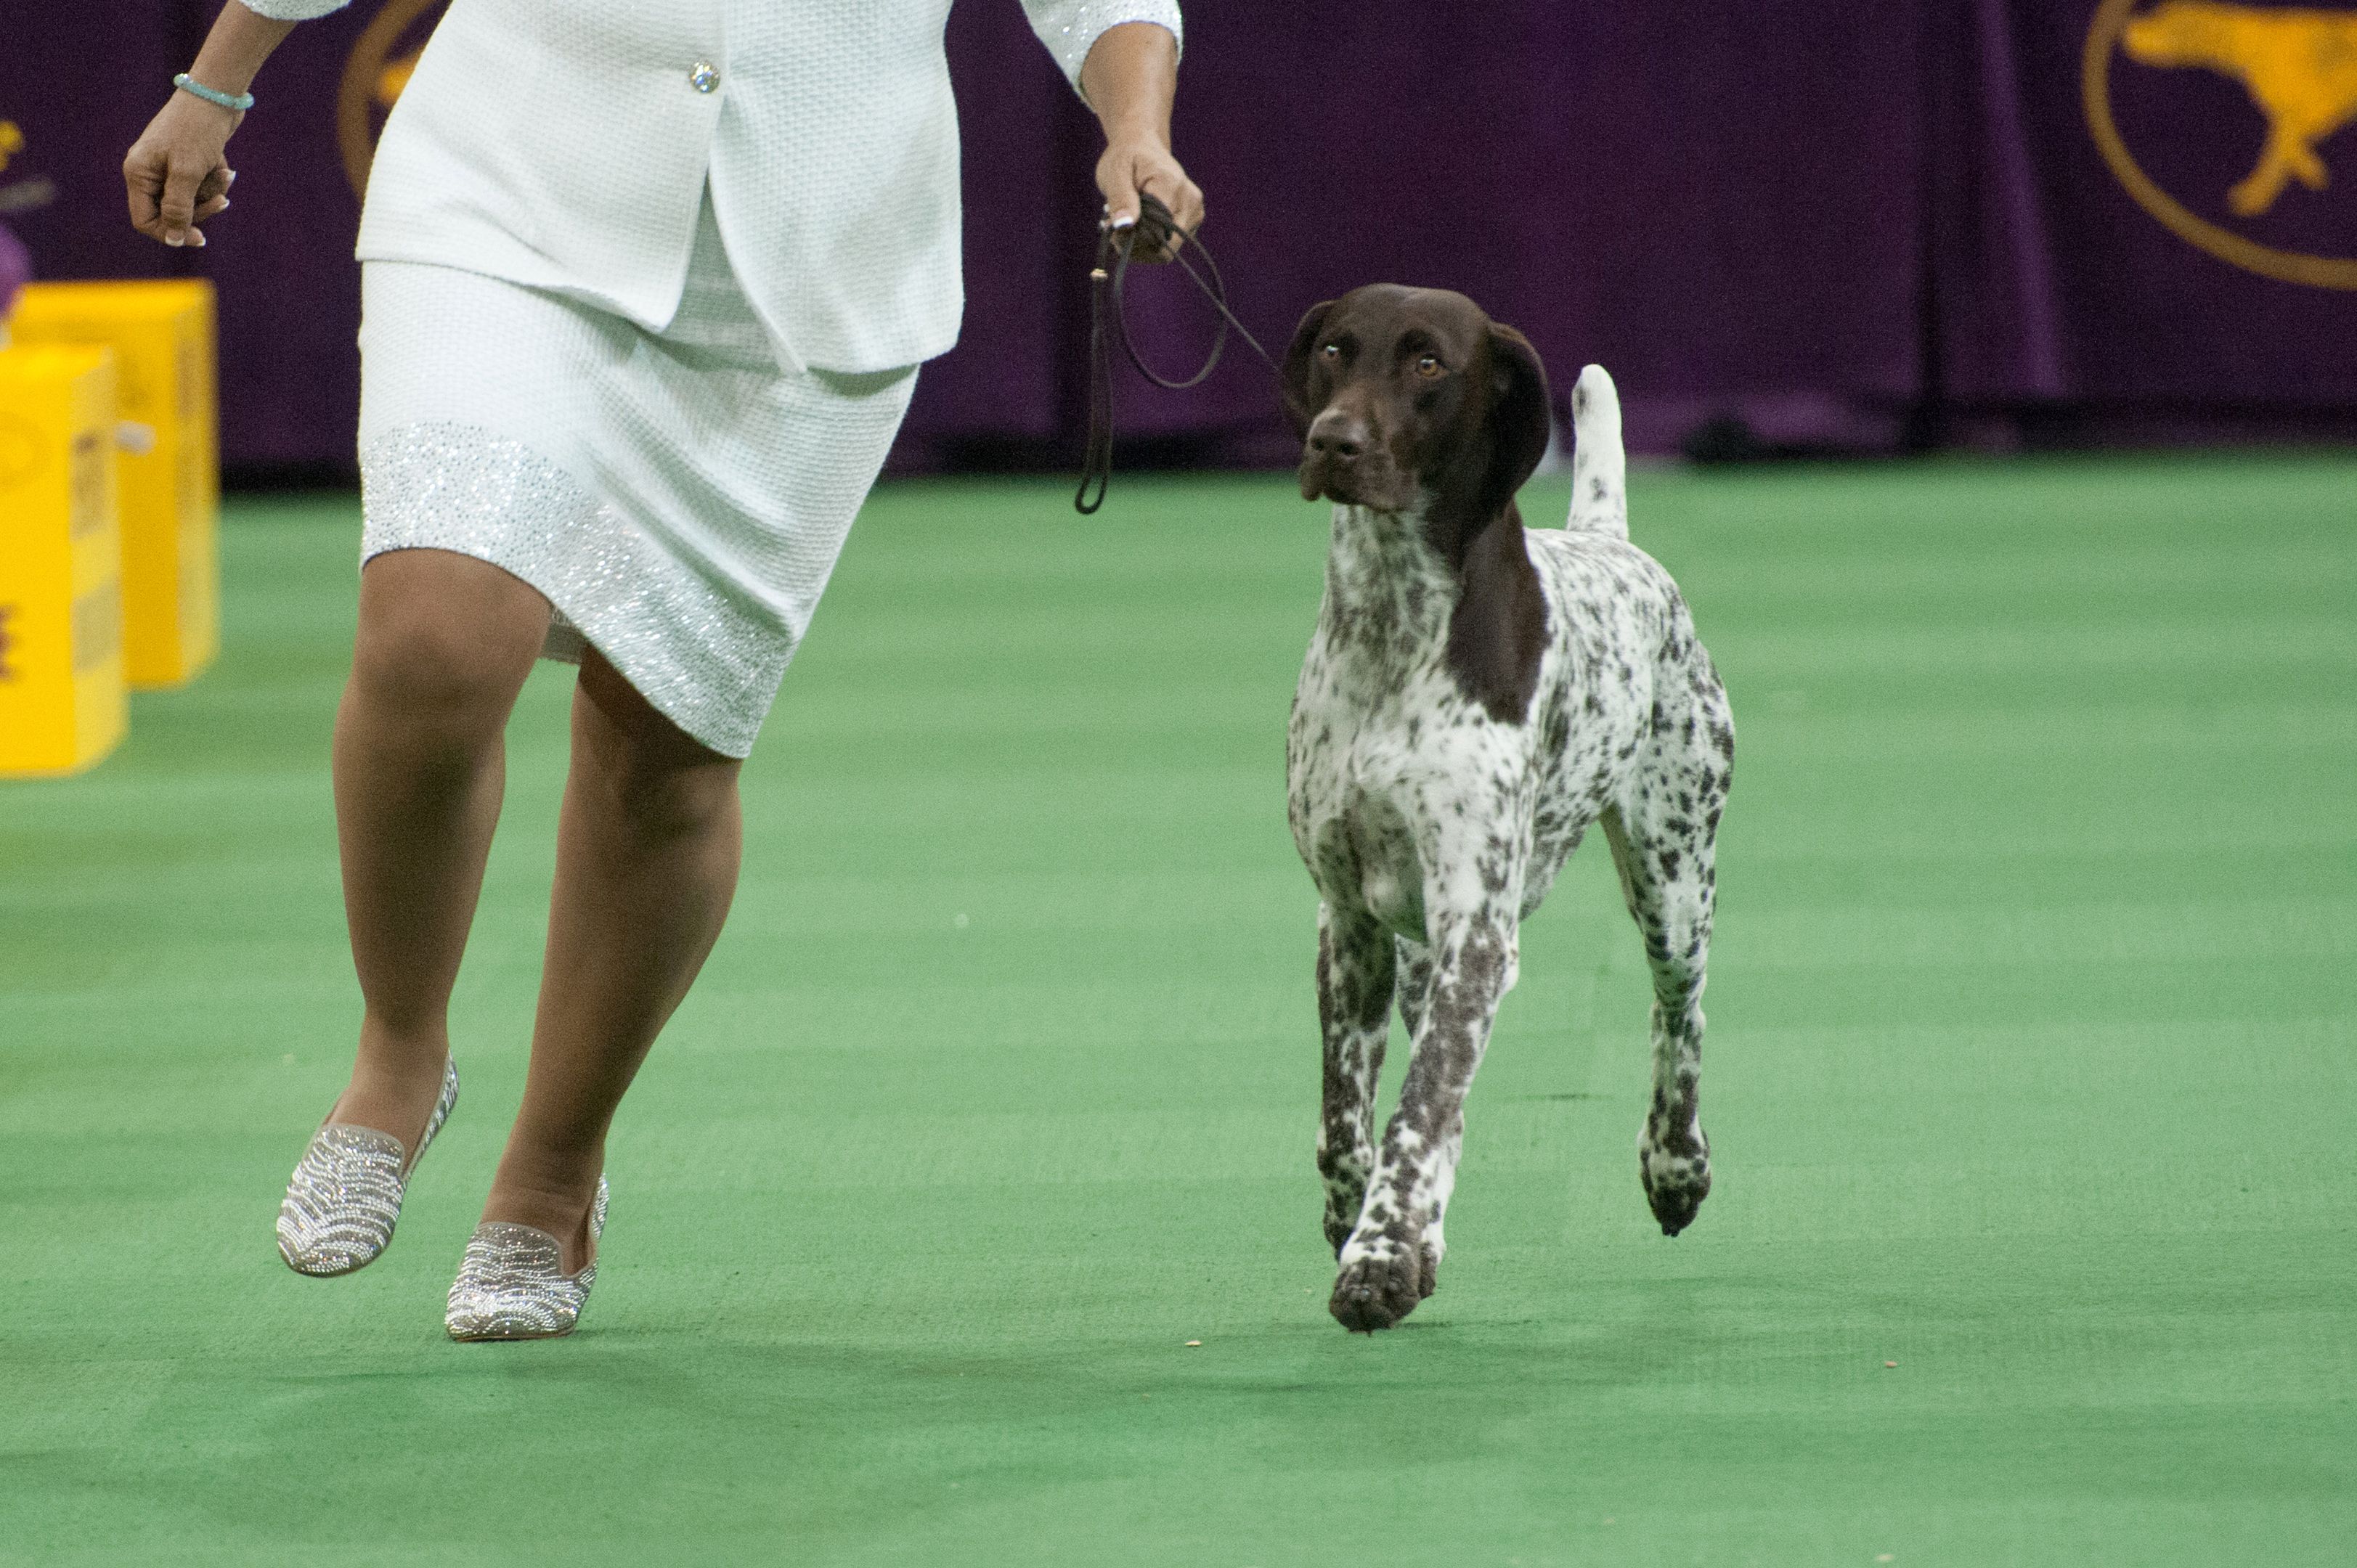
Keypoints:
pixel 1356 971
pixel 1665 844
pixel 1386 1265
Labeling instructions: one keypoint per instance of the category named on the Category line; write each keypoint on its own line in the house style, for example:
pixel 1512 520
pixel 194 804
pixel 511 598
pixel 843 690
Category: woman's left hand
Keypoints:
pixel 1142 164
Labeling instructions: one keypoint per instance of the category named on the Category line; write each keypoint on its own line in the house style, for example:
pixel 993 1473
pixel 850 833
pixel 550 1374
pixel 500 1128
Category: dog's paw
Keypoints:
pixel 1675 1170
pixel 1379 1290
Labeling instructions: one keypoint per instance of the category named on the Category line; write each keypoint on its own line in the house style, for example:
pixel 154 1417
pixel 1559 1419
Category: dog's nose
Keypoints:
pixel 1338 435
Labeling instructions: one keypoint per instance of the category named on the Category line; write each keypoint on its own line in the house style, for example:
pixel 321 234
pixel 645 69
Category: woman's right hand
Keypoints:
pixel 177 173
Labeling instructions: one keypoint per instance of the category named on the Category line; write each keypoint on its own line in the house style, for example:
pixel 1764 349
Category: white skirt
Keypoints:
pixel 678 496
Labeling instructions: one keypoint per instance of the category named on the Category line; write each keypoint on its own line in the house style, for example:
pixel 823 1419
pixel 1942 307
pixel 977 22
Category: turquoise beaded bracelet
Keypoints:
pixel 240 102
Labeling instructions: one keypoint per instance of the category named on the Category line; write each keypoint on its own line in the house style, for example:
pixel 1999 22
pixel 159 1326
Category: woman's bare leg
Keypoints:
pixel 647 851
pixel 445 643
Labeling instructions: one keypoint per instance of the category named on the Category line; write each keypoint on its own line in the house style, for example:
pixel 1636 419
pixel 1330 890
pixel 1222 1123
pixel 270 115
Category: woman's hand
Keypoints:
pixel 1129 78
pixel 1144 164
pixel 177 173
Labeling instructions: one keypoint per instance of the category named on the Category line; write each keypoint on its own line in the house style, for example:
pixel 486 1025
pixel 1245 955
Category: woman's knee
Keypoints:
pixel 658 791
pixel 658 779
pixel 444 639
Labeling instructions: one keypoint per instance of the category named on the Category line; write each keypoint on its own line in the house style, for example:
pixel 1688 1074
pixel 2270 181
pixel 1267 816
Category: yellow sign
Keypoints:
pixel 161 332
pixel 379 69
pixel 2299 67
pixel 61 687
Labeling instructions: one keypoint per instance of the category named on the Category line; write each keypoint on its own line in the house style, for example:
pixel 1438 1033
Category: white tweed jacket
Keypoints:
pixel 566 144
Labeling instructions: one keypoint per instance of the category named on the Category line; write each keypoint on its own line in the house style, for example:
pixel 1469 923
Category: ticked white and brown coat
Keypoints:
pixel 1475 695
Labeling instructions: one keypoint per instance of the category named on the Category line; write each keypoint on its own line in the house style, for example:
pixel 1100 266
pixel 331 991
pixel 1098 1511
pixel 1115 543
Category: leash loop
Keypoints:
pixel 1154 230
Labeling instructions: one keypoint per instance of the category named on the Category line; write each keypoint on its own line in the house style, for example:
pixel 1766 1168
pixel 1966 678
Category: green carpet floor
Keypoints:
pixel 2030 1069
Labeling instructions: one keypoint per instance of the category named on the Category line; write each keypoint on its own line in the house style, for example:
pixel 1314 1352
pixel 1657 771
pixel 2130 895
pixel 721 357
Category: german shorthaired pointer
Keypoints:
pixel 1474 696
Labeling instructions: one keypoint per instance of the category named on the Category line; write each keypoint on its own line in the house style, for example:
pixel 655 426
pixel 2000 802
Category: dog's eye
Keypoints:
pixel 1428 366
pixel 1331 352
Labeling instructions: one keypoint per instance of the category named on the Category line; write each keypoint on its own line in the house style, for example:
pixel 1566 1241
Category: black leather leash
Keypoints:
pixel 1152 231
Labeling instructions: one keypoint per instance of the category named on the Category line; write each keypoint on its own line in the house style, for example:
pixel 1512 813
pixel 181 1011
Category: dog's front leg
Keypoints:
pixel 1355 972
pixel 1388 1263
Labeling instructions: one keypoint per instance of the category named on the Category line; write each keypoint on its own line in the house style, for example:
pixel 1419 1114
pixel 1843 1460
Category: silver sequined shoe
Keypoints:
pixel 345 1197
pixel 508 1287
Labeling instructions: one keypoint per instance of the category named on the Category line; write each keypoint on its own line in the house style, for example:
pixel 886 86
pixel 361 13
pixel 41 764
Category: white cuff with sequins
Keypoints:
pixel 1071 27
pixel 293 10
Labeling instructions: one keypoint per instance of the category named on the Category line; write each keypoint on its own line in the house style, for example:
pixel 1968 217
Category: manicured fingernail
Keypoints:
pixel 176 239
pixel 197 237
pixel 1125 221
pixel 228 177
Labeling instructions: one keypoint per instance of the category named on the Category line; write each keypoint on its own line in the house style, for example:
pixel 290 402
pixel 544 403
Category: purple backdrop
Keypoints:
pixel 16 269
pixel 1844 225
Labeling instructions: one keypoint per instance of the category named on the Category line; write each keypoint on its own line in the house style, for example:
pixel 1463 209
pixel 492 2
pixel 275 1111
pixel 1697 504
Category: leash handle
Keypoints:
pixel 1096 465
pixel 1156 228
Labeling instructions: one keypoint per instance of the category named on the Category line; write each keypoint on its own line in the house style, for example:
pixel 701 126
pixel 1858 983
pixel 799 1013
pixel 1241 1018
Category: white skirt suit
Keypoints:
pixel 645 284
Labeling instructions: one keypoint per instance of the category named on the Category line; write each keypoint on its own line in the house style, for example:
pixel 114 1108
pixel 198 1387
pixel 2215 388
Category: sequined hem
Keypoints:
pixel 707 661
pixel 344 1199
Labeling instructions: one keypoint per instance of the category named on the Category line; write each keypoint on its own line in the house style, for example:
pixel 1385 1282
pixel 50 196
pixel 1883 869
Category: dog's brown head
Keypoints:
pixel 1409 398
pixel 1403 395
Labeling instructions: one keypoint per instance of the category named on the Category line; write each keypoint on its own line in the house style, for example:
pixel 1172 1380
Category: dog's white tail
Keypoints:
pixel 1600 468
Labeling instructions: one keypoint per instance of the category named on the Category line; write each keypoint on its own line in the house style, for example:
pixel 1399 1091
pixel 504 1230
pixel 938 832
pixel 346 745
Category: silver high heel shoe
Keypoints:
pixel 508 1286
pixel 345 1196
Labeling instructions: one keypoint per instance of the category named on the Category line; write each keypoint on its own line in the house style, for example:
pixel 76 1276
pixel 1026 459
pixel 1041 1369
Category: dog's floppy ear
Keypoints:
pixel 1295 378
pixel 1518 420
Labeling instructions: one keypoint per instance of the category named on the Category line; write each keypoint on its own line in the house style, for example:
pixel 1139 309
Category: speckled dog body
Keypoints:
pixel 1435 796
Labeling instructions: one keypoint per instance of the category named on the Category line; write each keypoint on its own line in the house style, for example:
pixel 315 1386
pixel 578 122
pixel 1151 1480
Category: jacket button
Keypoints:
pixel 704 76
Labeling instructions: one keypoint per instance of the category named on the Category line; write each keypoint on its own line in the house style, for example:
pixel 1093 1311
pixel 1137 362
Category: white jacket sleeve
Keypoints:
pixel 293 10
pixel 1069 27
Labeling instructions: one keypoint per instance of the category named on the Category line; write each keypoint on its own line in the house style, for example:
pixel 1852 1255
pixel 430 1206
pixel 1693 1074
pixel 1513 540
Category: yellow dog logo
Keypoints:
pixel 379 69
pixel 2299 67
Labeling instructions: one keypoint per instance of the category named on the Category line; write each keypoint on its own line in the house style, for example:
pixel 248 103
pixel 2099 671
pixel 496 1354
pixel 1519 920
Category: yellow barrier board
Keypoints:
pixel 61 687
pixel 162 335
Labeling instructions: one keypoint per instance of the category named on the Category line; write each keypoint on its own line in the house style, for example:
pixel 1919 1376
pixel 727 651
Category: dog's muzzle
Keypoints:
pixel 1342 461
